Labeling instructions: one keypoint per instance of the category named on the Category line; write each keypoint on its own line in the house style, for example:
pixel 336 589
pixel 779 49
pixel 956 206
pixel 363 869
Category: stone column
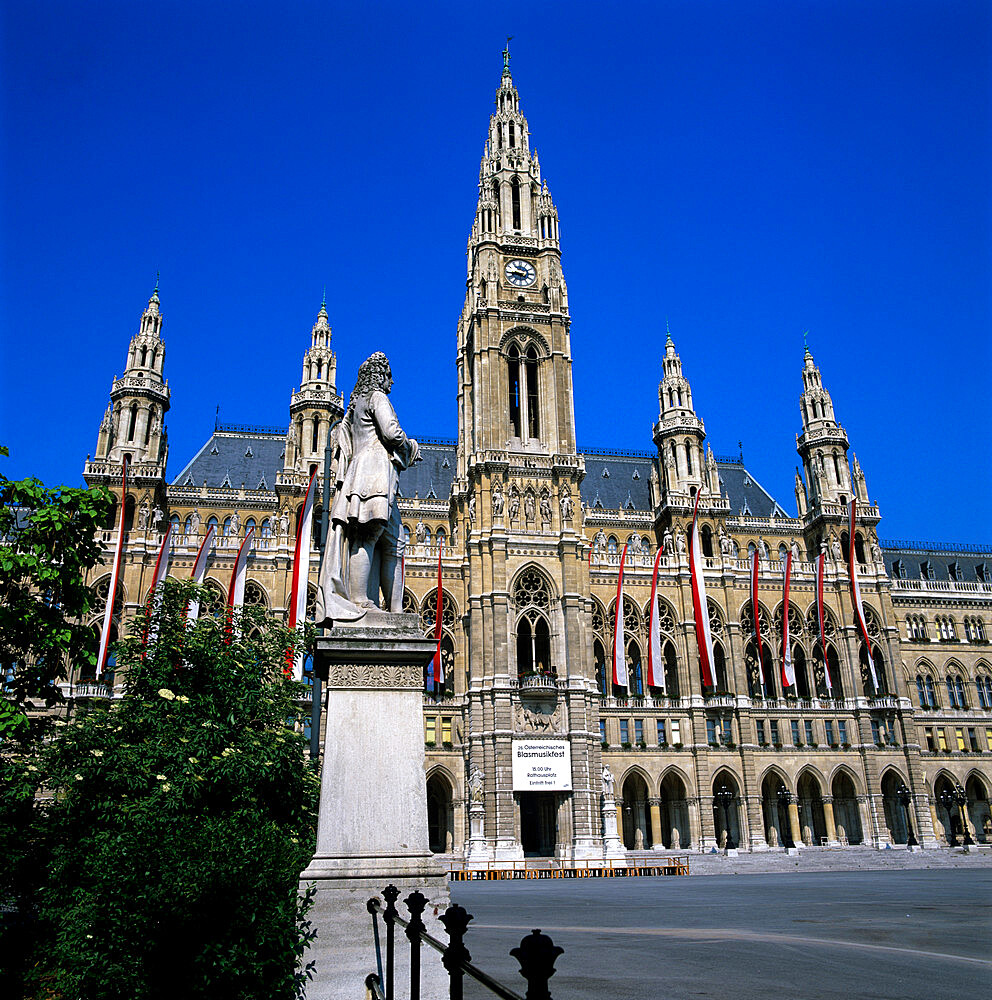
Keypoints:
pixel 828 819
pixel 612 845
pixel 696 824
pixel 794 828
pixel 654 807
pixel 478 849
pixel 619 812
pixel 372 824
pixel 937 836
pixel 755 823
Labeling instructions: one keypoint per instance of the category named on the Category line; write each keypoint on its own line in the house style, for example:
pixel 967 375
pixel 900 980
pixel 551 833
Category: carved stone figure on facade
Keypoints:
pixel 796 555
pixel 876 552
pixel 680 543
pixel 724 542
pixel 421 532
pixel 514 510
pixel 676 838
pixel 835 550
pixel 471 509
pixel 497 500
pixel 667 542
pixel 284 523
pixel 530 506
pixel 634 543
pixel 143 511
pixel 545 508
pixel 194 522
pixel 608 781
pixel 566 506
pixel 364 552
pixel 235 524
pixel 157 515
pixel 476 783
pixel 599 542
pixel 763 549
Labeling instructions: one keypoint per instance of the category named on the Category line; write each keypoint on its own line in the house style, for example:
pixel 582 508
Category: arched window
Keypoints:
pixel 955 691
pixel 671 670
pixel 859 547
pixel 266 528
pixel 599 657
pixel 533 409
pixel 840 481
pixel 249 524
pixel 688 458
pixel 706 539
pixel 188 526
pixel 129 512
pixel 879 664
pixel 427 535
pixel 513 373
pixel 611 545
pixel 174 521
pixel 984 686
pixel 148 426
pixel 440 536
pixel 845 545
pixel 133 422
pixel 227 526
pixel 315 437
pixel 532 598
pixel 515 200
pixel 212 523
pixel 320 370
pixel 634 670
pixel 931 692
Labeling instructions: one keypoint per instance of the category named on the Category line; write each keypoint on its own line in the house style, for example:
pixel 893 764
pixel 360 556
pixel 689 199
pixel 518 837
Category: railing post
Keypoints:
pixel 390 894
pixel 537 954
pixel 455 920
pixel 415 903
pixel 373 909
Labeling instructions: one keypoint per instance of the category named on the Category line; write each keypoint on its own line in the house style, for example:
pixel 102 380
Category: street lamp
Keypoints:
pixel 785 798
pixel 961 797
pixel 952 796
pixel 906 797
pixel 725 796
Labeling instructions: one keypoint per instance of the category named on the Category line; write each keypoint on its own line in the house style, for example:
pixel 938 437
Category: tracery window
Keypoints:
pixel 955 691
pixel 532 598
pixel 945 627
pixel 984 685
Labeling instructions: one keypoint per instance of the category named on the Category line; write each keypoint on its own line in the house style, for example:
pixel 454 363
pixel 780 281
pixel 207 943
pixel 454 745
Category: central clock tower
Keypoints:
pixel 516 497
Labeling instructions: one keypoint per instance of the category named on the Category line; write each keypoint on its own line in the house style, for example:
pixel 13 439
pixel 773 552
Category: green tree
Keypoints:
pixel 47 543
pixel 181 819
pixel 48 540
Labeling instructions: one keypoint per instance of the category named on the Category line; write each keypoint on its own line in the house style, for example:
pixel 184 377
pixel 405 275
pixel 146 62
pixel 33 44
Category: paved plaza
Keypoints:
pixel 879 933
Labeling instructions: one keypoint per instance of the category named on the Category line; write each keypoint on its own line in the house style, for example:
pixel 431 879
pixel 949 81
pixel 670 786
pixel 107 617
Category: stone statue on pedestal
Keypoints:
pixel 365 547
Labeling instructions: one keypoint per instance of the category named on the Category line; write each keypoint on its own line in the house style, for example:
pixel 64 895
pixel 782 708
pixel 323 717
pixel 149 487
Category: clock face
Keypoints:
pixel 520 273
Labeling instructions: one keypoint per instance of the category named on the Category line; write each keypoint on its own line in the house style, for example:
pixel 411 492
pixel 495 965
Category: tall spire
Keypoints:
pixel 506 56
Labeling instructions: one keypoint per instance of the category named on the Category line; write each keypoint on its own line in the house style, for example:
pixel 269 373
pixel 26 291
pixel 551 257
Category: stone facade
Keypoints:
pixel 532 529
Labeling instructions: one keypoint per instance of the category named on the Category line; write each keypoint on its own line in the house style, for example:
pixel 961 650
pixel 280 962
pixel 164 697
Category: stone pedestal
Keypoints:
pixel 613 849
pixel 478 850
pixel 372 828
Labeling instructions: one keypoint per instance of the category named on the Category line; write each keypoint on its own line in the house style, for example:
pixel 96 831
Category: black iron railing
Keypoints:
pixel 536 954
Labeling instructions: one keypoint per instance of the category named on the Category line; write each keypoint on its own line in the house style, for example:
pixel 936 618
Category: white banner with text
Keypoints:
pixel 542 766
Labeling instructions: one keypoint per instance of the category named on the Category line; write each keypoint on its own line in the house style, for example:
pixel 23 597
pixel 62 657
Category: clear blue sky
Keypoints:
pixel 747 170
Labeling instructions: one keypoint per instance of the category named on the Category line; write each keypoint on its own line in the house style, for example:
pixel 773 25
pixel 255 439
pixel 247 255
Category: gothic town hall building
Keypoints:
pixel 532 530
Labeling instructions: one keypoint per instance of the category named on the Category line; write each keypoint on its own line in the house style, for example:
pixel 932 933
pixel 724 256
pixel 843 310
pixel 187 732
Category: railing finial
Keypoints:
pixel 537 954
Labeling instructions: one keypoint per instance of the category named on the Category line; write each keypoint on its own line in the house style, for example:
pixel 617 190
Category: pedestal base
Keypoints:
pixel 344 949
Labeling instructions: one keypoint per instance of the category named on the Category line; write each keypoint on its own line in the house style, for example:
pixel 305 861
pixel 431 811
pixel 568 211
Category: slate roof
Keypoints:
pixel 969 558
pixel 230 458
pixel 615 480
pixel 431 477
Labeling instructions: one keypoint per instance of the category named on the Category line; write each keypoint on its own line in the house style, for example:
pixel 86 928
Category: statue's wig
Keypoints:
pixel 371 375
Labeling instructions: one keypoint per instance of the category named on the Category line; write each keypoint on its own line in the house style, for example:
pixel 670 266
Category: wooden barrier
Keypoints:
pixel 504 870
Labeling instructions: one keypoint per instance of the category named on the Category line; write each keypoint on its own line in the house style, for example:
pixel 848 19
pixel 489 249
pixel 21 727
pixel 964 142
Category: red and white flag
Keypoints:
pixel 108 614
pixel 859 611
pixel 157 590
pixel 700 609
pixel 755 565
pixel 239 575
pixel 301 572
pixel 620 678
pixel 200 571
pixel 656 668
pixel 788 670
pixel 435 675
pixel 821 561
